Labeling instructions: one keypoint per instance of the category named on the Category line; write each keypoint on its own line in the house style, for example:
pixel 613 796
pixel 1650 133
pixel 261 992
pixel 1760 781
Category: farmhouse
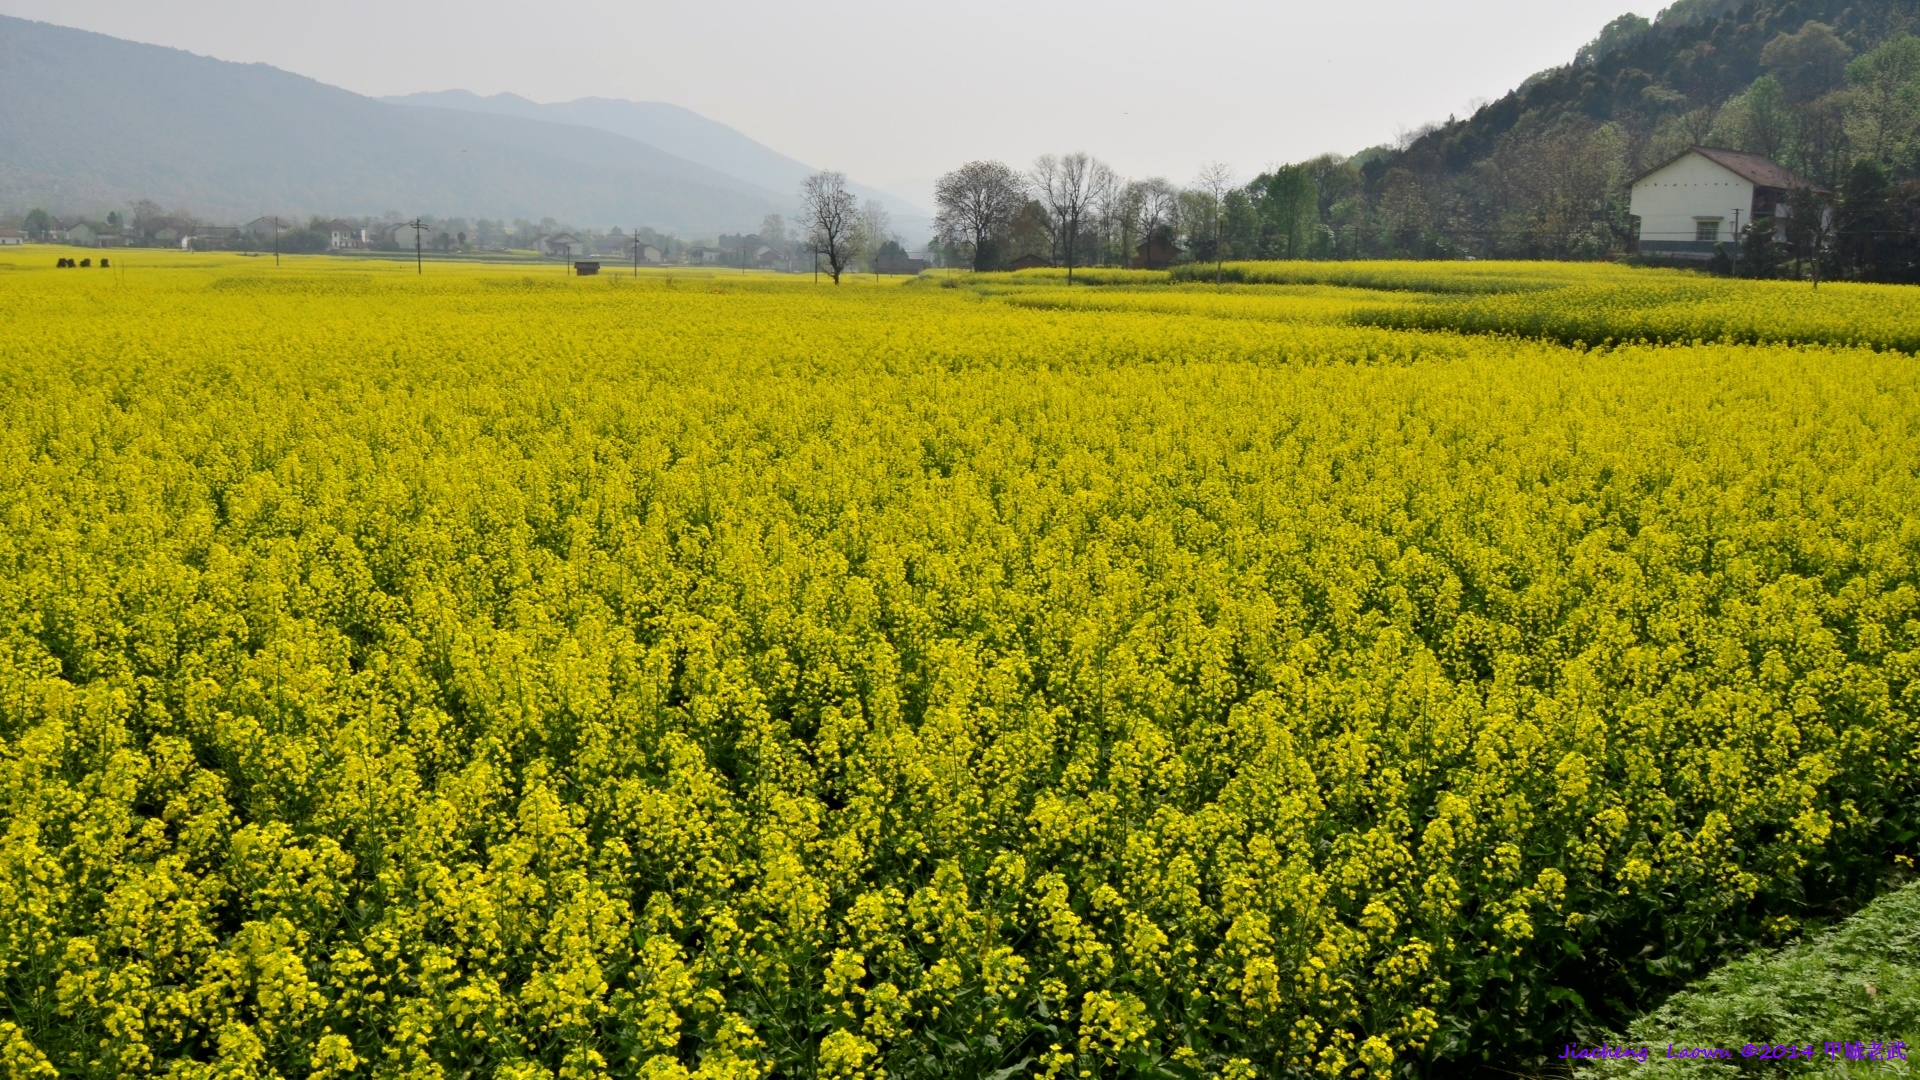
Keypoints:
pixel 562 244
pixel 11 238
pixel 344 235
pixel 1689 205
pixel 900 264
pixel 86 234
pixel 166 231
pixel 265 228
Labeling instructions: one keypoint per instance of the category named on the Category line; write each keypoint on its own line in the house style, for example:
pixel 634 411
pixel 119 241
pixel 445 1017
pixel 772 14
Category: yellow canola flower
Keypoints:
pixel 493 672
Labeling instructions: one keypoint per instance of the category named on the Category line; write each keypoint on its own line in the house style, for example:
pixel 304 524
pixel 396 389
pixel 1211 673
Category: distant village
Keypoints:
pixel 772 248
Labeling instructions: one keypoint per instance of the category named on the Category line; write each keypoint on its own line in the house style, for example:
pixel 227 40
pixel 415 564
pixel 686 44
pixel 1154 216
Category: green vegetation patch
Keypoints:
pixel 1857 984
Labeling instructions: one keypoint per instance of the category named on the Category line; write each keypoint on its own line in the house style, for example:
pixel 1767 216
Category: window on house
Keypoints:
pixel 1707 230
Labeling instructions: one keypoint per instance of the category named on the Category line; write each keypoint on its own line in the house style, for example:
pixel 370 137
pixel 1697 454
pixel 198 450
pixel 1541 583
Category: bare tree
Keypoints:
pixel 1213 183
pixel 1153 204
pixel 875 229
pixel 831 216
pixel 1070 186
pixel 1113 222
pixel 773 232
pixel 975 201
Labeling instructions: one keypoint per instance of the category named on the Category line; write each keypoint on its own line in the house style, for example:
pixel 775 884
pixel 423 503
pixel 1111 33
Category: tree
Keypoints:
pixel 1769 123
pixel 831 216
pixel 145 211
pixel 1289 210
pixel 773 233
pixel 1617 34
pixel 38 223
pixel 1406 215
pixel 1031 231
pixel 976 202
pixel 876 230
pixel 1240 225
pixel 1070 185
pixel 1809 63
pixel 1885 105
pixel 1864 220
pixel 1810 229
pixel 1819 147
pixel 1152 206
pixel 1212 186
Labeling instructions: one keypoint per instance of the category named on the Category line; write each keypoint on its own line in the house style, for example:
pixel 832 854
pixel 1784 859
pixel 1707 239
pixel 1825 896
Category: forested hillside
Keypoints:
pixel 1831 88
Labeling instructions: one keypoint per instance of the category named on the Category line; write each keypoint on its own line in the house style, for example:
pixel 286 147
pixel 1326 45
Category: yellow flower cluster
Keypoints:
pixel 492 673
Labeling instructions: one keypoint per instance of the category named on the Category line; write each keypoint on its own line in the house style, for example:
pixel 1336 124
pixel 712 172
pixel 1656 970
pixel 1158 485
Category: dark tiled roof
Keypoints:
pixel 1753 168
pixel 1761 171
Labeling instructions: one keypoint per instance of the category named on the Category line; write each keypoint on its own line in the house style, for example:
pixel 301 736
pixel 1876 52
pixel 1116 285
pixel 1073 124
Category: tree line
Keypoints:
pixel 1545 173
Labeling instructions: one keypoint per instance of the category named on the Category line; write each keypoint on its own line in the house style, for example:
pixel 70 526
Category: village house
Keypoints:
pixel 12 238
pixel 1688 206
pixel 86 234
pixel 619 249
pixel 705 256
pixel 344 236
pixel 900 264
pixel 1031 262
pixel 211 238
pixel 166 231
pixel 560 244
pixel 265 228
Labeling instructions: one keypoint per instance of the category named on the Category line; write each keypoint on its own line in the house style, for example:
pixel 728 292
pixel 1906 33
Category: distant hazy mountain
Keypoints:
pixel 671 128
pixel 89 122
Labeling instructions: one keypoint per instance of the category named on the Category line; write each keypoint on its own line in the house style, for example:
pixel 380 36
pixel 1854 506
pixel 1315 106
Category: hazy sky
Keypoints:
pixel 895 91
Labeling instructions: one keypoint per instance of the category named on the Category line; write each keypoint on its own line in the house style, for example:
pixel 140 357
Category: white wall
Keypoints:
pixel 1670 202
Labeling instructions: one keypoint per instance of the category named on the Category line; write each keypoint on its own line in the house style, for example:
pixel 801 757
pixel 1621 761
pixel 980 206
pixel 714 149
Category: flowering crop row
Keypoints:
pixel 498 674
pixel 1870 316
pixel 1582 304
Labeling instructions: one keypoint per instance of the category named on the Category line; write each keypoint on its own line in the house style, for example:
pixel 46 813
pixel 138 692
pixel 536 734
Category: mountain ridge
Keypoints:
pixel 673 128
pixel 88 121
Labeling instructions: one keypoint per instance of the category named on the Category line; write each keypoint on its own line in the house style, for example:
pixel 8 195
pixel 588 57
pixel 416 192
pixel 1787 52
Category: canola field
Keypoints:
pixel 1340 672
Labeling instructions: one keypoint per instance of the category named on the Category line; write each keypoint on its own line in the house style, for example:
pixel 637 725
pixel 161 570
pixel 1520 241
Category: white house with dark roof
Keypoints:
pixel 1700 199
pixel 344 235
pixel 266 228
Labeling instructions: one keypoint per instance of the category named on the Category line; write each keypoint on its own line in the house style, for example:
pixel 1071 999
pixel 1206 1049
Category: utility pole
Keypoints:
pixel 1736 241
pixel 418 225
pixel 636 254
pixel 276 241
pixel 1219 248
